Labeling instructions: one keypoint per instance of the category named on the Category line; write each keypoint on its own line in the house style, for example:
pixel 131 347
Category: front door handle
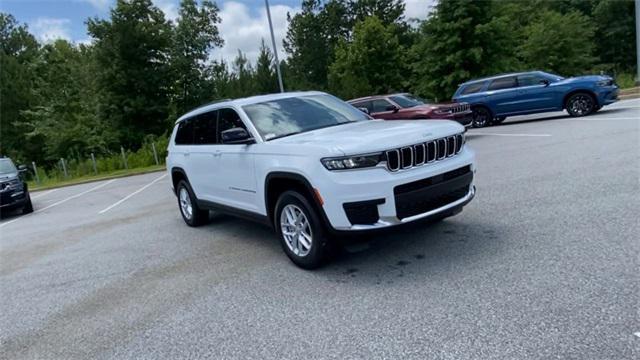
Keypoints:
pixel 218 153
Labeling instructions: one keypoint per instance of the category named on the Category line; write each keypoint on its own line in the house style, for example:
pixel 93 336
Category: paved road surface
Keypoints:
pixel 543 264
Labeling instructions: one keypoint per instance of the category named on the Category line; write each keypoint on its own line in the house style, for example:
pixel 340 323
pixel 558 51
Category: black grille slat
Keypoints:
pixel 423 153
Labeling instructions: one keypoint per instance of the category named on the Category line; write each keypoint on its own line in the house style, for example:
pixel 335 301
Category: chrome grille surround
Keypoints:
pixel 408 157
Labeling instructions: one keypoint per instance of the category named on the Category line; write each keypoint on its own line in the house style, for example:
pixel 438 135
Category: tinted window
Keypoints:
pixel 229 119
pixel 293 115
pixel 379 105
pixel 529 80
pixel 184 135
pixel 472 88
pixel 364 104
pixel 204 128
pixel 503 83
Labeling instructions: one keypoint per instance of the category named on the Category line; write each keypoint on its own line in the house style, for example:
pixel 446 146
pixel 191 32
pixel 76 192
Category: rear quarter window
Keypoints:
pixel 184 134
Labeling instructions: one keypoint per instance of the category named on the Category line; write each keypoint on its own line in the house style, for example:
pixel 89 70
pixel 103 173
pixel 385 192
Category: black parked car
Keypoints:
pixel 14 193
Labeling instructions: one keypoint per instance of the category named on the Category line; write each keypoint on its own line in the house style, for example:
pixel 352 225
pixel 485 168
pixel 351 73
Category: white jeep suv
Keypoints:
pixel 311 165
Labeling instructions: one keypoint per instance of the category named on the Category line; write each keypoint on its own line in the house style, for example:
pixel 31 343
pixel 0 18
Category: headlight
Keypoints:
pixel 443 111
pixel 352 162
pixel 607 82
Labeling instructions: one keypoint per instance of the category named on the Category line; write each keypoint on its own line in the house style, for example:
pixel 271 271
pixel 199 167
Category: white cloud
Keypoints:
pixel 50 29
pixel 99 4
pixel 169 7
pixel 418 9
pixel 243 28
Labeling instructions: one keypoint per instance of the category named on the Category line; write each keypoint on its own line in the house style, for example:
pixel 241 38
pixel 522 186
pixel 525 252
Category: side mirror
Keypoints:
pixel 544 82
pixel 392 108
pixel 364 110
pixel 236 136
pixel 22 168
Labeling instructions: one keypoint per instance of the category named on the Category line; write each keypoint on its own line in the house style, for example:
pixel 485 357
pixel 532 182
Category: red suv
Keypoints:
pixel 406 106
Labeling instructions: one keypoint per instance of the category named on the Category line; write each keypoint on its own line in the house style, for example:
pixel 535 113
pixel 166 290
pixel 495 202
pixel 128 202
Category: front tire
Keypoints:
pixel 187 202
pixel 28 207
pixel 580 104
pixel 481 117
pixel 498 120
pixel 300 230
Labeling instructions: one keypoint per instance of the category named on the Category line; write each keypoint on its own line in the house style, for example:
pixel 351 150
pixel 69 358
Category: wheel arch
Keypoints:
pixel 177 174
pixel 576 91
pixel 278 182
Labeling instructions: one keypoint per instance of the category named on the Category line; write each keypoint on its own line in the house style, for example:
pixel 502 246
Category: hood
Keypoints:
pixel 374 135
pixel 586 78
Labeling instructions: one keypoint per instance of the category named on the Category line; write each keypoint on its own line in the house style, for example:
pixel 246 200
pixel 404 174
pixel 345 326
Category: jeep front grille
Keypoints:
pixel 424 153
pixel 459 108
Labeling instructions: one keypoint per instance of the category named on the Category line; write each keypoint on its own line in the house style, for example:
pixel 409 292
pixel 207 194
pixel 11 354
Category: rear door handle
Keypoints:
pixel 218 153
pixel 186 154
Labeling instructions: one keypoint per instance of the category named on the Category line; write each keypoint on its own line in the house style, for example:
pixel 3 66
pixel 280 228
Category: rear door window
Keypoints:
pixel 205 128
pixel 503 83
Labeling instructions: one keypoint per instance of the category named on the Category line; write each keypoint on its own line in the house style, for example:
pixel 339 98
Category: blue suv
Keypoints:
pixel 494 98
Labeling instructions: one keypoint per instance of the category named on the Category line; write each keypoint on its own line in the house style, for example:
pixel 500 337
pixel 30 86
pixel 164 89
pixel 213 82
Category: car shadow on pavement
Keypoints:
pixel 414 251
pixel 508 121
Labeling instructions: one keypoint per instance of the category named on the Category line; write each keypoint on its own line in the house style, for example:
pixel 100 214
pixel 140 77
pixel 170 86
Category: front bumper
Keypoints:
pixel 12 199
pixel 608 95
pixel 377 189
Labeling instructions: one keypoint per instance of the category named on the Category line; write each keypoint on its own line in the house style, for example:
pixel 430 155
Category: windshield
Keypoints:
pixel 407 100
pixel 294 115
pixel 7 167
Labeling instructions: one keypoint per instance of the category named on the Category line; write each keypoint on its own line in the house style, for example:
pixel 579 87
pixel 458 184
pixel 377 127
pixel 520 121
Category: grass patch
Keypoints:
pixel 49 183
pixel 625 80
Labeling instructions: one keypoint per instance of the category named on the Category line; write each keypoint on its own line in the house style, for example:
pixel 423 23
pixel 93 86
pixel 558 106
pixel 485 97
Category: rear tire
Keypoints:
pixel 301 232
pixel 28 207
pixel 481 117
pixel 188 205
pixel 580 104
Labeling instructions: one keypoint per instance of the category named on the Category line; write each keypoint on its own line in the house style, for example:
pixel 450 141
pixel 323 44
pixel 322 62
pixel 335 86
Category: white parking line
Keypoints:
pixel 637 334
pixel 130 195
pixel 506 134
pixel 61 201
pixel 44 193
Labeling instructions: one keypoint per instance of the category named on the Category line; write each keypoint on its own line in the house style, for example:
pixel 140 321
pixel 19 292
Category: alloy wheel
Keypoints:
pixel 581 105
pixel 185 203
pixel 296 230
pixel 481 117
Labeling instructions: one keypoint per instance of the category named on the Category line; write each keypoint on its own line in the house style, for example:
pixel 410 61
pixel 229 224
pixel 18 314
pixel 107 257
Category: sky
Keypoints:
pixel 244 22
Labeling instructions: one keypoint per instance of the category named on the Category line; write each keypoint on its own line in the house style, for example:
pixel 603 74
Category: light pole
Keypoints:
pixel 637 42
pixel 275 49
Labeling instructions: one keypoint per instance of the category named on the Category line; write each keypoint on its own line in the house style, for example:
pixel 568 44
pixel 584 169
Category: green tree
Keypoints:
pixel 132 50
pixel 308 46
pixel 266 80
pixel 65 119
pixel 559 43
pixel 18 51
pixel 370 64
pixel 195 35
pixel 615 34
pixel 460 41
pixel 388 11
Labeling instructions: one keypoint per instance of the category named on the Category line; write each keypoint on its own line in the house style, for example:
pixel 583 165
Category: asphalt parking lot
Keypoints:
pixel 543 264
